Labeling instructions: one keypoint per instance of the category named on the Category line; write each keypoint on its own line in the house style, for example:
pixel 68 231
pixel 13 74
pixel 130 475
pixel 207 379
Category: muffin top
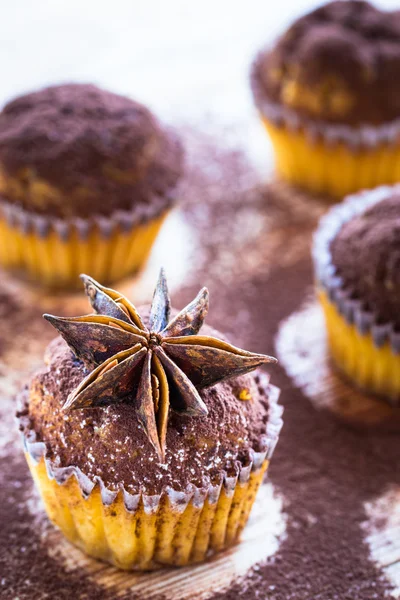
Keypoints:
pixel 77 150
pixel 339 64
pixel 140 399
pixel 110 443
pixel 366 256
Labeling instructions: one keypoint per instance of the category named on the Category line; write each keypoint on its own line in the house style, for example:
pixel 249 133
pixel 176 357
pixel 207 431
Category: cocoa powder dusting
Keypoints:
pixel 255 261
pixel 372 239
pixel 100 151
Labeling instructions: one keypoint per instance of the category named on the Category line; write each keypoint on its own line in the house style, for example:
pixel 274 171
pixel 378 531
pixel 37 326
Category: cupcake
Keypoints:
pixel 147 439
pixel 86 180
pixel 328 94
pixel 357 263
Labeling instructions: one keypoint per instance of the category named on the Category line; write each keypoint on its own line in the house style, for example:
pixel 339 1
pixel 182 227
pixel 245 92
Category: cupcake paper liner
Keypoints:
pixel 54 252
pixel 145 532
pixel 334 169
pixel 357 138
pixel 367 351
pixel 372 368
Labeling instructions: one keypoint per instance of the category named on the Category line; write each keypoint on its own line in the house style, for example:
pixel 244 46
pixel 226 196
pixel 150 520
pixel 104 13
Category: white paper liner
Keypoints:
pixel 30 222
pixel 325 271
pixel 364 135
pixel 179 500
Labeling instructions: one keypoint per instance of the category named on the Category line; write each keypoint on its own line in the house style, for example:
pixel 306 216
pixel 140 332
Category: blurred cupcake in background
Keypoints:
pixel 86 180
pixel 328 93
pixel 357 264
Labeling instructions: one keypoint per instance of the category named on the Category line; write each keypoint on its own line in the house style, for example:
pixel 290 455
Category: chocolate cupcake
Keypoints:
pixel 86 180
pixel 327 94
pixel 357 262
pixel 148 440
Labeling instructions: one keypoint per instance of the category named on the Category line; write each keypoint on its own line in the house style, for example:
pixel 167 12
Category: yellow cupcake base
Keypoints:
pixel 145 539
pixel 332 168
pixel 56 261
pixel 373 369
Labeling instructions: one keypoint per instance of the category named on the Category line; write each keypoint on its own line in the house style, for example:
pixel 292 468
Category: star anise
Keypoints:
pixel 152 367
